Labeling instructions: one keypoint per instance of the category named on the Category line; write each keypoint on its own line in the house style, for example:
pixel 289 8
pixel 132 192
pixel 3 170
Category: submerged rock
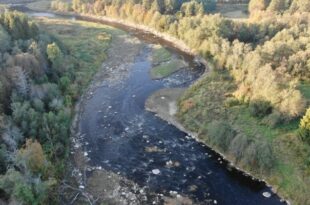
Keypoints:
pixel 266 194
pixel 153 149
pixel 81 187
pixel 156 171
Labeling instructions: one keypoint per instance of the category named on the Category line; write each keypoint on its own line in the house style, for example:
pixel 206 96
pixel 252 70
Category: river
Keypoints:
pixel 120 136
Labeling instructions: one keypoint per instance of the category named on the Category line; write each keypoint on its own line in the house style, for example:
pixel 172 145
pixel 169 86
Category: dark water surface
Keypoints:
pixel 118 131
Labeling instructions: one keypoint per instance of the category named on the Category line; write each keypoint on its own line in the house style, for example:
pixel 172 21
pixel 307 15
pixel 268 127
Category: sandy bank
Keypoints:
pixel 164 104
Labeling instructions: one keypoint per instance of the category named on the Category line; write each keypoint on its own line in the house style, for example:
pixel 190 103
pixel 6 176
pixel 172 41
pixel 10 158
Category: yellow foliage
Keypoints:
pixel 305 121
pixel 32 156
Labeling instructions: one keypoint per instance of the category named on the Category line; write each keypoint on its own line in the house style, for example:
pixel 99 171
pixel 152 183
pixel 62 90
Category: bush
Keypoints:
pixel 220 134
pixel 260 154
pixel 238 146
pixel 265 155
pixel 304 127
pixel 260 108
pixel 274 119
pixel 230 102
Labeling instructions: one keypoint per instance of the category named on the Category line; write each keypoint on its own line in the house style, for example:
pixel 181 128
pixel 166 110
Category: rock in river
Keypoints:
pixel 267 194
pixel 155 171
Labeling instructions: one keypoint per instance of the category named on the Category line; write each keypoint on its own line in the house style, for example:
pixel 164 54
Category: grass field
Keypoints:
pixel 160 55
pixel 167 68
pixel 207 102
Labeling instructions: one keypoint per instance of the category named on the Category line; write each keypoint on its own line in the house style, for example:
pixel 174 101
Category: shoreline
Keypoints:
pixel 161 110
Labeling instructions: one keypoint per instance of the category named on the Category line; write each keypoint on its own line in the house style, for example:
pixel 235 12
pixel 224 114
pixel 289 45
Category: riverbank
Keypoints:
pixel 164 103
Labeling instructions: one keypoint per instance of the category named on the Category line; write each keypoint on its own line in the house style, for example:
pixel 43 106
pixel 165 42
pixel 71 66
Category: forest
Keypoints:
pixel 253 105
pixel 40 80
pixel 35 116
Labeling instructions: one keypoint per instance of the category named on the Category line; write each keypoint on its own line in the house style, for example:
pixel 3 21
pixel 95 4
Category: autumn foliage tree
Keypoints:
pixel 31 157
pixel 305 127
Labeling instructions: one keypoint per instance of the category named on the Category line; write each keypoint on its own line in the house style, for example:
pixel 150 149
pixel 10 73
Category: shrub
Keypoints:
pixel 260 154
pixel 220 134
pixel 304 127
pixel 230 102
pixel 265 155
pixel 238 146
pixel 274 119
pixel 260 108
pixel 305 121
pixel 55 55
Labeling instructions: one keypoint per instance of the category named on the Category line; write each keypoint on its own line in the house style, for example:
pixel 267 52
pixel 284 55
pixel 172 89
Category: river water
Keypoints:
pixel 122 137
pixel 119 132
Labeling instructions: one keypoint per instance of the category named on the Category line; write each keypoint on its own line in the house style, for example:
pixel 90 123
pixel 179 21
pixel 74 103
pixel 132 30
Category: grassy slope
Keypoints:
pixel 206 101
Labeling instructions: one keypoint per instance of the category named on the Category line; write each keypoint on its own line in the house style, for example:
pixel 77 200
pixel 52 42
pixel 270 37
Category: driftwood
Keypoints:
pixel 79 193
